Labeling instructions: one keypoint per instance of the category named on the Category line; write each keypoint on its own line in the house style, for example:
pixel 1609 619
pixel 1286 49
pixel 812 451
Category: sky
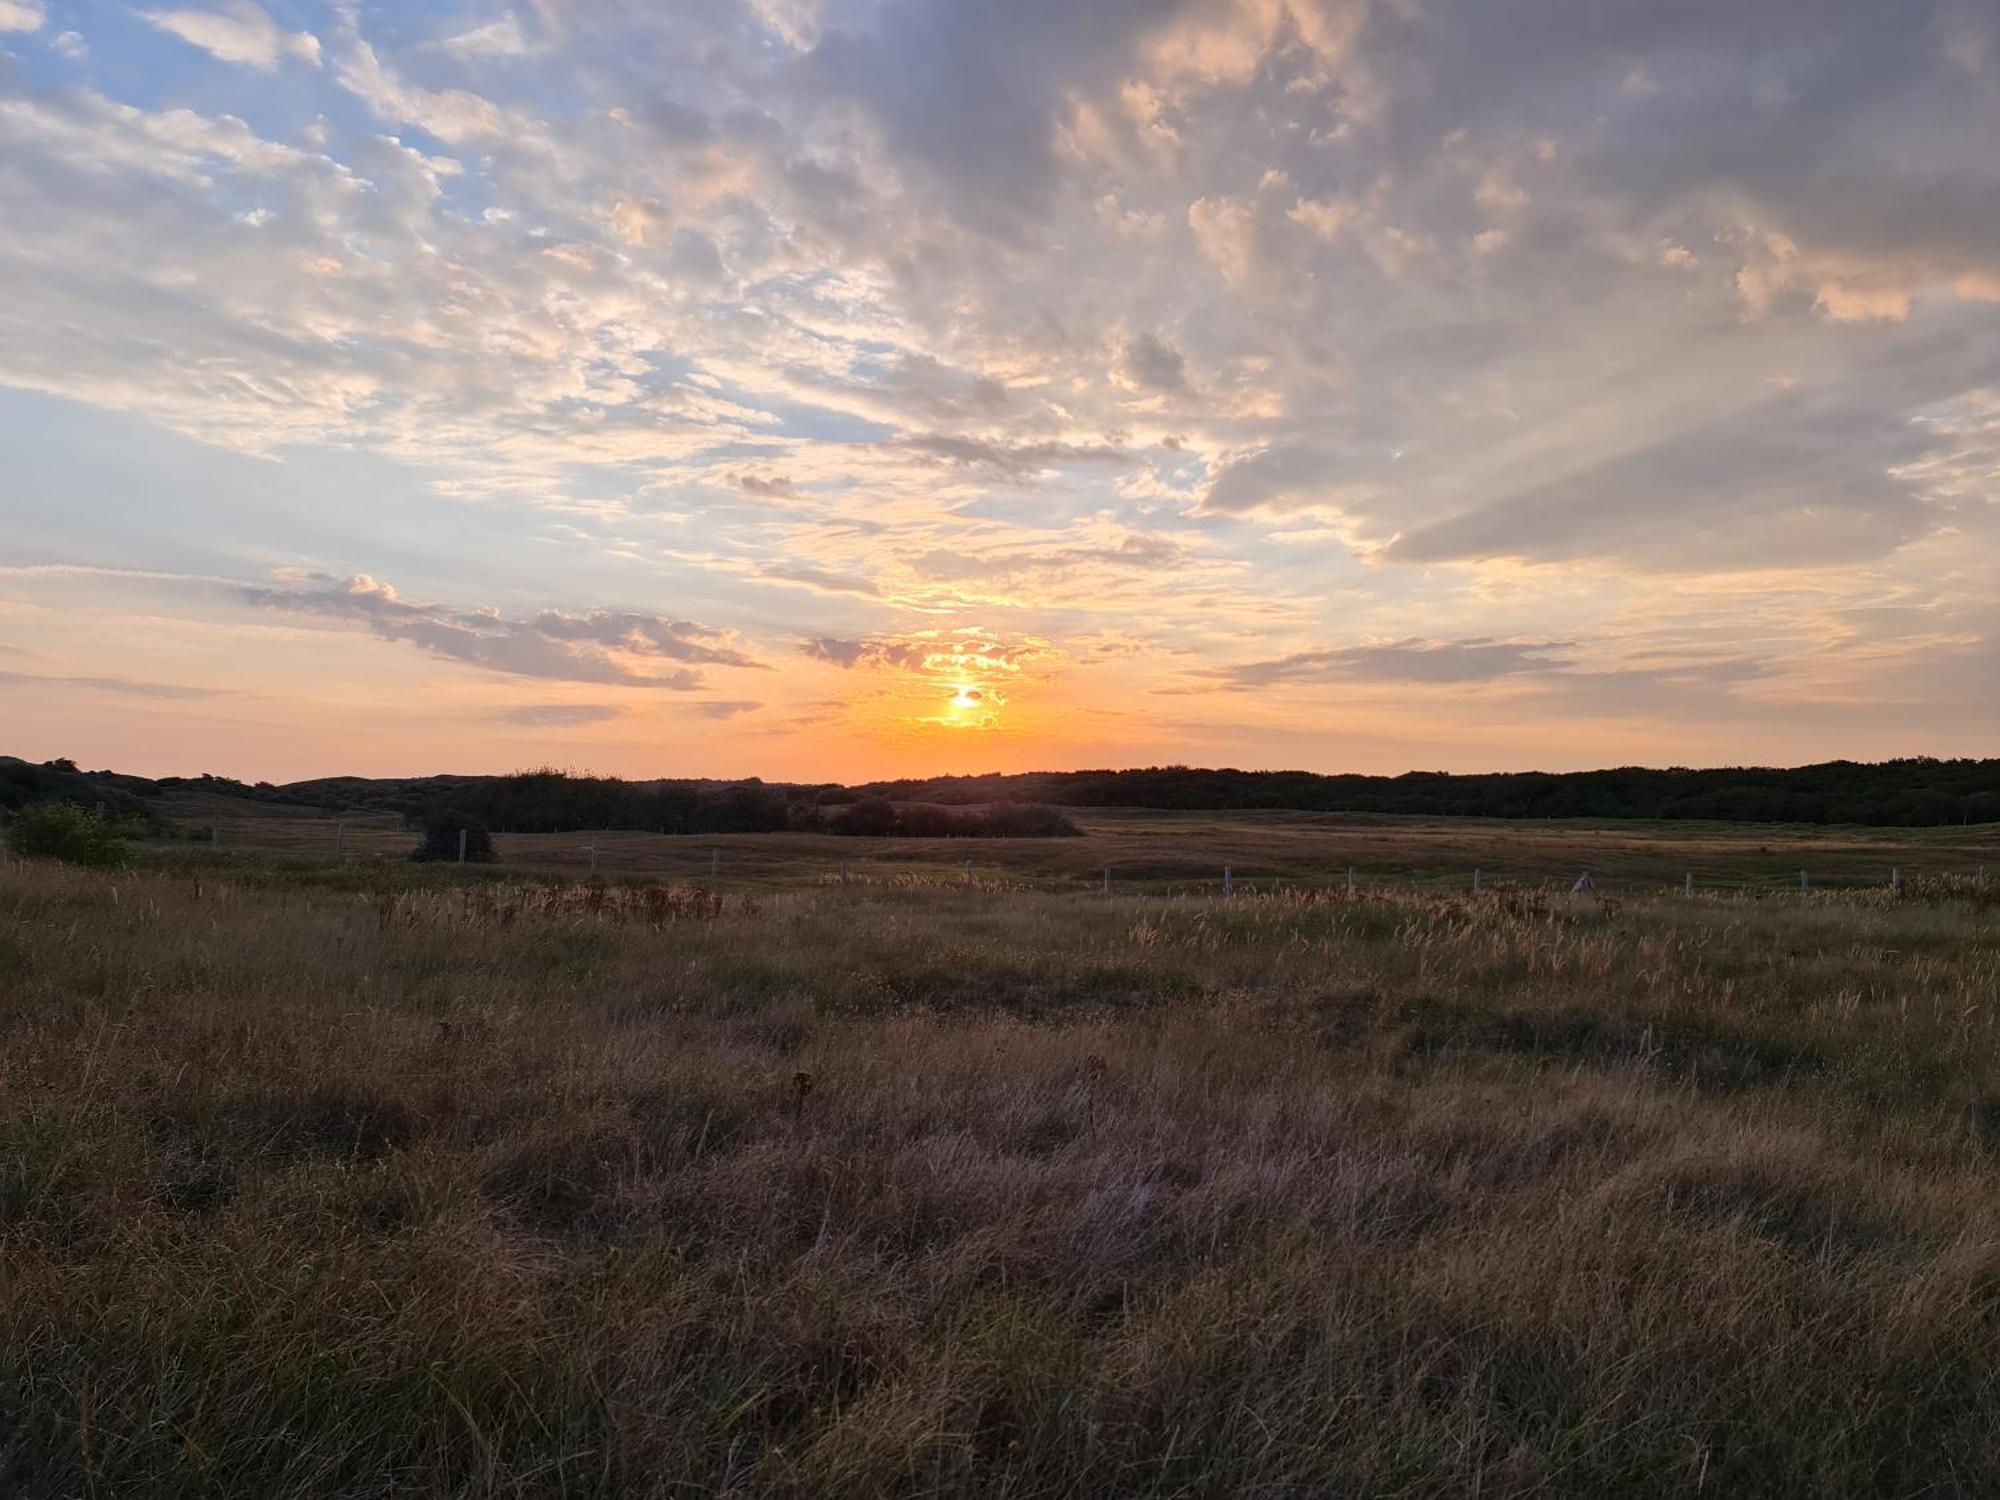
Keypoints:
pixel 834 389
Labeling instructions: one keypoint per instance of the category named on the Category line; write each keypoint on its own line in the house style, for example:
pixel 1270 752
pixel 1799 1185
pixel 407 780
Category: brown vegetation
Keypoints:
pixel 908 1189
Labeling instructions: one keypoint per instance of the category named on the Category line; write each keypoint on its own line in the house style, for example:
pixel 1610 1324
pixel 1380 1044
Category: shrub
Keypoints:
pixel 1008 820
pixel 441 831
pixel 873 818
pixel 62 830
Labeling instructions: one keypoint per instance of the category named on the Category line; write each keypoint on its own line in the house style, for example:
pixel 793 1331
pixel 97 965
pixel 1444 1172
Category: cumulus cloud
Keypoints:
pixel 22 15
pixel 241 32
pixel 604 646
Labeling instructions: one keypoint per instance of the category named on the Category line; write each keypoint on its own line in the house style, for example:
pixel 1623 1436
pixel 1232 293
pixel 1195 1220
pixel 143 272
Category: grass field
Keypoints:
pixel 1184 852
pixel 383 1179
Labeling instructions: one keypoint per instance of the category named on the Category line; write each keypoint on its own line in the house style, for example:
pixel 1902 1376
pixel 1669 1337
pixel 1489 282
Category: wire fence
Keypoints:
pixel 635 855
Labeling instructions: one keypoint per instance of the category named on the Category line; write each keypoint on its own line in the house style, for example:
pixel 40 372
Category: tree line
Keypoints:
pixel 1916 792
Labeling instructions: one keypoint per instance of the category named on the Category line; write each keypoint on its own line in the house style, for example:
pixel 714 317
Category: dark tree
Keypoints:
pixel 440 842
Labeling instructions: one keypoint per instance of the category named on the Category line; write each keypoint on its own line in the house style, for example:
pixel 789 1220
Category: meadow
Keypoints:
pixel 376 1179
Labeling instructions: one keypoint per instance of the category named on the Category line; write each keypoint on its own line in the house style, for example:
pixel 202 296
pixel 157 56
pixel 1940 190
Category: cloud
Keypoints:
pixel 1134 551
pixel 1407 661
pixel 1152 364
pixel 454 116
pixel 603 646
pixel 1018 462
pixel 958 652
pixel 240 33
pixel 125 685
pixel 560 715
pixel 725 708
pixel 823 579
pixel 1812 467
pixel 22 15
pixel 968 97
pixel 1285 476
pixel 496 39
pixel 1194 321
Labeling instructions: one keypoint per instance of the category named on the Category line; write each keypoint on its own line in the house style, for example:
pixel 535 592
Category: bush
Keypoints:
pixel 1008 820
pixel 62 830
pixel 441 831
pixel 871 819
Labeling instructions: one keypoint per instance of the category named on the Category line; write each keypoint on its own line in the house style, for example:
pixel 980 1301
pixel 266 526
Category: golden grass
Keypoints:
pixel 903 1189
pixel 1168 851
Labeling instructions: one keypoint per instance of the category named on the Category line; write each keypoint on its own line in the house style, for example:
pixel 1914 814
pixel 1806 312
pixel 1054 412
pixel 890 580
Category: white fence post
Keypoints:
pixel 461 845
pixel 1475 880
pixel 1688 889
pixel 1107 880
pixel 1228 882
pixel 714 869
pixel 1895 878
pixel 1350 880
pixel 593 856
pixel 339 837
pixel 1803 886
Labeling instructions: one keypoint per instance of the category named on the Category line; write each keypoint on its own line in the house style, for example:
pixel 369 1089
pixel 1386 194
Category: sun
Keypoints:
pixel 967 697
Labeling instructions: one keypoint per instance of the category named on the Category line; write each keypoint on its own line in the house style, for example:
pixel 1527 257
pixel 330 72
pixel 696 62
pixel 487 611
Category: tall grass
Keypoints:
pixel 906 1189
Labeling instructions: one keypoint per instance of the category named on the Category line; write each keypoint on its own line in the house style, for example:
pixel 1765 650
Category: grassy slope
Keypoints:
pixel 312 1191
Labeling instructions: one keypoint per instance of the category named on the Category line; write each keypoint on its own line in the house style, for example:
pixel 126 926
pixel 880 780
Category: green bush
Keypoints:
pixel 62 830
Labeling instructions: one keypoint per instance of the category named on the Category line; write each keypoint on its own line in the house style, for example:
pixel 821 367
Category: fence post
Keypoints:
pixel 1350 880
pixel 1228 882
pixel 593 856
pixel 1475 880
pixel 1803 887
pixel 339 837
pixel 1107 880
pixel 1688 889
pixel 843 874
pixel 461 845
pixel 1895 878
pixel 968 874
pixel 714 869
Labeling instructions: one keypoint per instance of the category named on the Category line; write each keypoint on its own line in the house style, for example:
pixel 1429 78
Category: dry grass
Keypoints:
pixel 907 1190
pixel 1168 851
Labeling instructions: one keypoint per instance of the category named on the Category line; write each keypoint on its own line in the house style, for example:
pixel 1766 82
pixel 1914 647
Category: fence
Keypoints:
pixel 783 861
